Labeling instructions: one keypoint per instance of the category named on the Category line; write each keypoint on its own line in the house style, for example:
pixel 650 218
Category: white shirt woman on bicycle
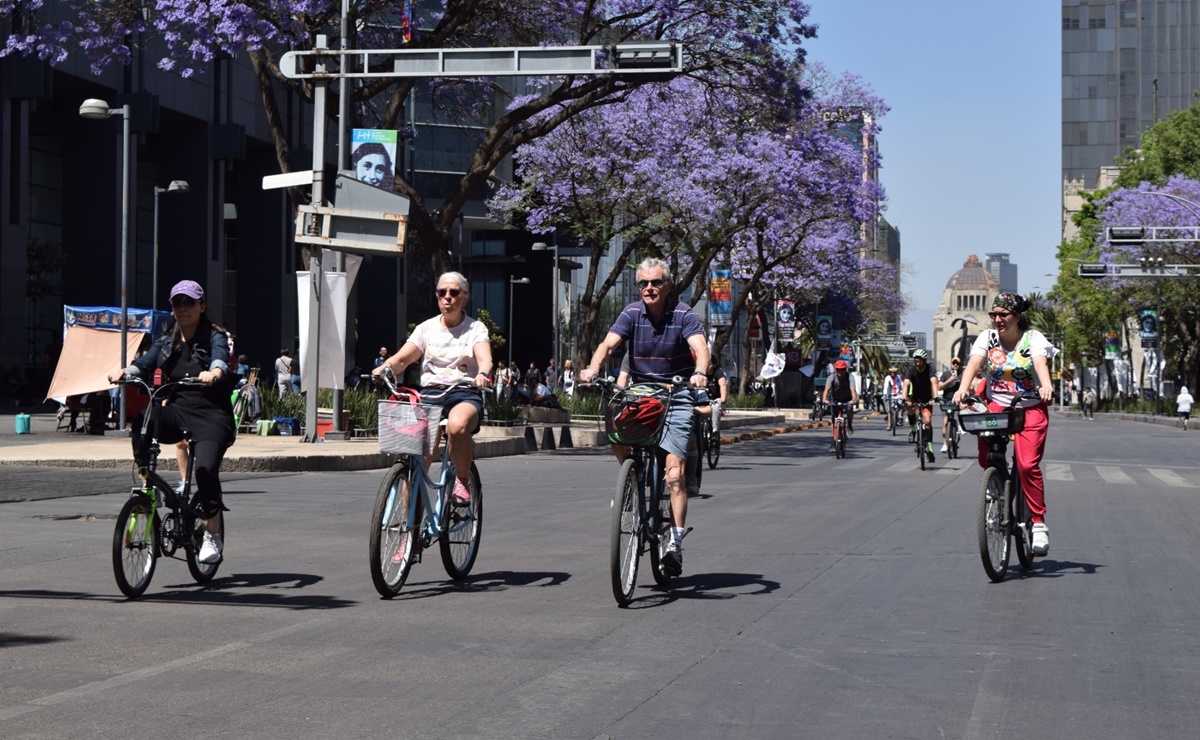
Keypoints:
pixel 456 349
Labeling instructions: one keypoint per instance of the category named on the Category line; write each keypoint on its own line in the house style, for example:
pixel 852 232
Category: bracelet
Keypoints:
pixel 703 375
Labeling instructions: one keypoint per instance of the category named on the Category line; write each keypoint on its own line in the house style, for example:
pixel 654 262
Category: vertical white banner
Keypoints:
pixel 334 294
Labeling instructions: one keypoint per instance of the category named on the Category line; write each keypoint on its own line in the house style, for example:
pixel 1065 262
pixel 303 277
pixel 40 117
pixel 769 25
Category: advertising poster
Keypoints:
pixel 1148 328
pixel 824 331
pixel 1112 344
pixel 373 156
pixel 720 298
pixel 785 320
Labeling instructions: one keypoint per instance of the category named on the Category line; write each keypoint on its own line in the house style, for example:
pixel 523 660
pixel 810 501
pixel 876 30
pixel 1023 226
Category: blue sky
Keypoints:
pixel 972 145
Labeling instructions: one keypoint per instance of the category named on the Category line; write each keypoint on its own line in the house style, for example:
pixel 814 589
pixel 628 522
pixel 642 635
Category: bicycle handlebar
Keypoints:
pixel 971 398
pixel 388 378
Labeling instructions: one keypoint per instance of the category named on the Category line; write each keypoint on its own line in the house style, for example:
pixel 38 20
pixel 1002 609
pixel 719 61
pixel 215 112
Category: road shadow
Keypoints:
pixel 500 580
pixel 222 590
pixel 11 639
pixel 1043 568
pixel 704 586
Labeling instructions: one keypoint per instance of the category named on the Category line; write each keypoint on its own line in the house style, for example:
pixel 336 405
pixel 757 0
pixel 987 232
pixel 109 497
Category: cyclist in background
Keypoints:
pixel 663 334
pixel 920 388
pixel 718 392
pixel 841 390
pixel 948 385
pixel 1016 358
pixel 893 394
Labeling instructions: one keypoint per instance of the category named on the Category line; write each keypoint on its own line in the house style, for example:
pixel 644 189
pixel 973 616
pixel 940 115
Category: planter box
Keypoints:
pixel 537 415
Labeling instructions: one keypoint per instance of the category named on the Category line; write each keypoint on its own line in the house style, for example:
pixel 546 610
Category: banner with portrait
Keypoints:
pixel 824 331
pixel 1148 328
pixel 720 298
pixel 785 320
pixel 373 156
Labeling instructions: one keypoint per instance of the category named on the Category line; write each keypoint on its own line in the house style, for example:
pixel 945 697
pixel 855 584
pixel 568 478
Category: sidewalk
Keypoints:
pixel 45 447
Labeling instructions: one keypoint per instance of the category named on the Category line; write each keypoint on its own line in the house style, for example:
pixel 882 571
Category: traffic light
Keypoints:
pixel 1128 235
pixel 1093 270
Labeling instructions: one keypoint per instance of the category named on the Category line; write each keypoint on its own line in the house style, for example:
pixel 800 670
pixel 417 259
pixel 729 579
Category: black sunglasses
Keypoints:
pixel 453 292
pixel 656 282
pixel 999 315
pixel 182 300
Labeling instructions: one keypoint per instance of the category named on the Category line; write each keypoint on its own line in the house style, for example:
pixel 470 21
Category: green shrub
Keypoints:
pixel 581 404
pixel 499 409
pixel 749 402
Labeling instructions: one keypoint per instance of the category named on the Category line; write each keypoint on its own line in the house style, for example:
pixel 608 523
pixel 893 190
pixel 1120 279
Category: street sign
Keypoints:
pixel 1095 270
pixel 366 219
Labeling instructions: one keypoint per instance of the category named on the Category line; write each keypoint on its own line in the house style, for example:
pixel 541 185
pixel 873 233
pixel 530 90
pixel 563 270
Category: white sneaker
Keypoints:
pixel 210 549
pixel 1041 539
pixel 945 448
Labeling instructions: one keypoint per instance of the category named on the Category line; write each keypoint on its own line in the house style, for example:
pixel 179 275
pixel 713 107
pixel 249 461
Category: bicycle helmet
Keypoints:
pixel 920 354
pixel 840 365
pixel 638 421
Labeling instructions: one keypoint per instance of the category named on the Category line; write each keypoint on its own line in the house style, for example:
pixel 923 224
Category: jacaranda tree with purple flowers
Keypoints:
pixel 754 42
pixel 1177 299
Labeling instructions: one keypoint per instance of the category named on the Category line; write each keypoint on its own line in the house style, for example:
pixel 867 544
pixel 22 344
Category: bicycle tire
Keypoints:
pixel 133 549
pixel 839 445
pixel 461 528
pixel 1020 515
pixel 662 538
pixel 701 453
pixel 625 535
pixel 992 525
pixel 920 444
pixel 714 449
pixel 390 544
pixel 203 572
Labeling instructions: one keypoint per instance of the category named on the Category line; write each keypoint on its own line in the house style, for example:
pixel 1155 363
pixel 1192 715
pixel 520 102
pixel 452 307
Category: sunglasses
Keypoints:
pixel 452 292
pixel 183 301
pixel 655 283
pixel 999 315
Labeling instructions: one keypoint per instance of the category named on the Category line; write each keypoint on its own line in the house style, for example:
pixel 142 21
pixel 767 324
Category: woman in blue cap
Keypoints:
pixel 197 348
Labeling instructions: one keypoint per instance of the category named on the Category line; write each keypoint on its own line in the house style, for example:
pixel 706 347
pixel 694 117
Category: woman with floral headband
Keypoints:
pixel 1016 358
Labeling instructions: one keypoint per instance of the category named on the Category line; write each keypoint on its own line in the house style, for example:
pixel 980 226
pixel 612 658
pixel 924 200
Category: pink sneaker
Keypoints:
pixel 461 495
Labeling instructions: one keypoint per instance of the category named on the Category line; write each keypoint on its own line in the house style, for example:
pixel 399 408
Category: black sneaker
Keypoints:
pixel 930 457
pixel 672 560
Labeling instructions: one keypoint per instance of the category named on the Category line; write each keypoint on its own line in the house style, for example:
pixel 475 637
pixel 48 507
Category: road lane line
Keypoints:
pixel 1171 478
pixel 1057 471
pixel 1114 475
pixel 149 672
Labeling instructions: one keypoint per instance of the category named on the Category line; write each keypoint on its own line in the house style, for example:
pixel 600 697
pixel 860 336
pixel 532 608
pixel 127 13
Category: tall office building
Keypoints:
pixel 1125 65
pixel 1004 271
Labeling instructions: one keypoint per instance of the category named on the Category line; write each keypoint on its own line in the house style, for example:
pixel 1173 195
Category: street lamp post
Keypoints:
pixel 512 294
pixel 95 109
pixel 537 247
pixel 176 186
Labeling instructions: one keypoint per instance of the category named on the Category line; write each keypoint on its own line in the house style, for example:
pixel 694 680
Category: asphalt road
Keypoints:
pixel 820 598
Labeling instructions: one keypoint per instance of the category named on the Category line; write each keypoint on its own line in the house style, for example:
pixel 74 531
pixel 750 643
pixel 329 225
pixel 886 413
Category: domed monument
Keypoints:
pixel 968 295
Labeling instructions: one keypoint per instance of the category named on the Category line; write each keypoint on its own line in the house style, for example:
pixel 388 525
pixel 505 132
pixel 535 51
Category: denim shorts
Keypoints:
pixel 452 399
pixel 678 428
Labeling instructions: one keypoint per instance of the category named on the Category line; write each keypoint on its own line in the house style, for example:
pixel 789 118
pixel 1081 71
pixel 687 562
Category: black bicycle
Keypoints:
pixel 143 534
pixel 839 412
pixel 641 505
pixel 953 429
pixel 1003 511
pixel 923 434
pixel 712 441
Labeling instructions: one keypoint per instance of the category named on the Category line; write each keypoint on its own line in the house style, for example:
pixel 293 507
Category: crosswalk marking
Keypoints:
pixel 1113 475
pixel 906 464
pixel 1057 471
pixel 1171 478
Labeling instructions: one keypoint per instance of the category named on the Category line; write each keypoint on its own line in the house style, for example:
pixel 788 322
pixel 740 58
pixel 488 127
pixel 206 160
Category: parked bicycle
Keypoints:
pixel 839 412
pixel 143 533
pixel 641 505
pixel 1003 511
pixel 412 509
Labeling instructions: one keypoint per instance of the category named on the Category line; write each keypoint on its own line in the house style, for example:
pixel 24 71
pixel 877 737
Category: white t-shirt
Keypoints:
pixel 449 354
pixel 1185 403
pixel 893 387
pixel 1009 373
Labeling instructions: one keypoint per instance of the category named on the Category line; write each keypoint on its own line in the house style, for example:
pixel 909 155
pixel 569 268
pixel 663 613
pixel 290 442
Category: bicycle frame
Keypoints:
pixel 430 526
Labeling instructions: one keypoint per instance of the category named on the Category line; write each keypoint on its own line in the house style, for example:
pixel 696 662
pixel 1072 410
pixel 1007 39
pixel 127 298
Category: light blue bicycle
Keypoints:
pixel 413 510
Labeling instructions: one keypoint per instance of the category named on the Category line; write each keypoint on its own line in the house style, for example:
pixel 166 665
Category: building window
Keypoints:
pixel 1094 23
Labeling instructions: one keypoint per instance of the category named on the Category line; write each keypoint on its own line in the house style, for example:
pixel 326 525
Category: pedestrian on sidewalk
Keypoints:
pixel 1089 403
pixel 283 372
pixel 1184 409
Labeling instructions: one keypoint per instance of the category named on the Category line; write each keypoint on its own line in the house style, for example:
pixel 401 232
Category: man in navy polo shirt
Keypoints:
pixel 666 339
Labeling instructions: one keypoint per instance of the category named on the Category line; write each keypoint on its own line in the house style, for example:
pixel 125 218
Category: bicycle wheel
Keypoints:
pixel 993 525
pixel 202 572
pixel 662 531
pixel 625 546
pixel 714 448
pixel 952 441
pixel 1021 524
pixel 839 444
pixel 133 551
pixel 920 444
pixel 460 530
pixel 394 529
